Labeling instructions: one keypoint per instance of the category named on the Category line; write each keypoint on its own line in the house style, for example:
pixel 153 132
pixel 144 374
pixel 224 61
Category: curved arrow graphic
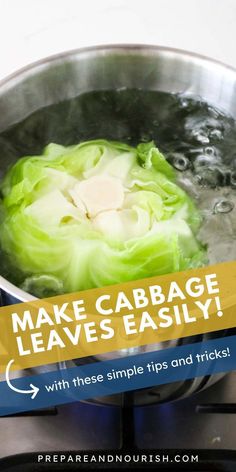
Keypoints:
pixel 34 390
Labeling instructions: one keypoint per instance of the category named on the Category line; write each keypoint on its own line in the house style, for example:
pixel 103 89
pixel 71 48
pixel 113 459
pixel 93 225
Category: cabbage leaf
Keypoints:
pixel 95 214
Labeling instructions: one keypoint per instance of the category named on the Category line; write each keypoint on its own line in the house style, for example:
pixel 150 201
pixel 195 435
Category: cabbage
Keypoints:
pixel 95 214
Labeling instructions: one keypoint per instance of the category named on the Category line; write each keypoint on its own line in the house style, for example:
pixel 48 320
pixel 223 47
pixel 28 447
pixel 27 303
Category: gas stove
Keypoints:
pixel 203 424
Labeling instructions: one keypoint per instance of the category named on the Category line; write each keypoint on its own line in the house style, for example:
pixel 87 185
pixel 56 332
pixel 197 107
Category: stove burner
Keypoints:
pixel 196 424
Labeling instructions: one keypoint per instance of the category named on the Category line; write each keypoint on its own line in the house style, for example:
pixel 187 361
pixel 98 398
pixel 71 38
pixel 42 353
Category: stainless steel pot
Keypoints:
pixel 70 74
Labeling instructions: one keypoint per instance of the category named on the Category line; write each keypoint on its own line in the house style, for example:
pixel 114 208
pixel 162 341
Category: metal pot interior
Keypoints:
pixel 61 78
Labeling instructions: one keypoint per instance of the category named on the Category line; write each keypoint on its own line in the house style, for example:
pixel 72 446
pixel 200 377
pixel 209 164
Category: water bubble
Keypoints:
pixel 198 179
pixel 145 138
pixel 210 157
pixel 184 103
pixel 202 160
pixel 197 151
pixel 200 136
pixel 179 161
pixel 216 134
pixel 211 176
pixel 204 128
pixel 210 151
pixel 121 89
pixel 223 206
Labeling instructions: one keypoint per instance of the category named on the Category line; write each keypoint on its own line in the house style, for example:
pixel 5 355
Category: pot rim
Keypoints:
pixel 5 285
pixel 118 47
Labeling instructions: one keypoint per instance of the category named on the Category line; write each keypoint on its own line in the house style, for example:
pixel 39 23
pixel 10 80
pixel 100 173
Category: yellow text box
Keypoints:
pixel 83 331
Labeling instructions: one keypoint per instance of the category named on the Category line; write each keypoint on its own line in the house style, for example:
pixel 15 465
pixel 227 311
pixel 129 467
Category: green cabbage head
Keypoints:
pixel 95 214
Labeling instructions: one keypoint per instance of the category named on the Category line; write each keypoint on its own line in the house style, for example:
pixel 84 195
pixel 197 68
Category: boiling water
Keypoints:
pixel 198 140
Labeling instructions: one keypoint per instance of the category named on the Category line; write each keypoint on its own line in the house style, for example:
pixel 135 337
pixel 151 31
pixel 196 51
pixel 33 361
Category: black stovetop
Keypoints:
pixel 203 422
